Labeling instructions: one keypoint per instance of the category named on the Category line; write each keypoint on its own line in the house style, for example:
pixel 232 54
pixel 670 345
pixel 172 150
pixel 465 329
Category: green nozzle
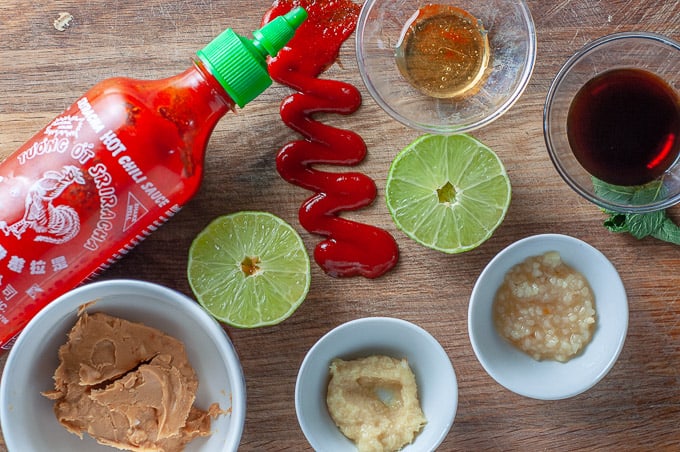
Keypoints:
pixel 273 36
pixel 240 65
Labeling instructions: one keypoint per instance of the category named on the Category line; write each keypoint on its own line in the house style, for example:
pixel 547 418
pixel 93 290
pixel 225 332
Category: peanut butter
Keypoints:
pixel 128 386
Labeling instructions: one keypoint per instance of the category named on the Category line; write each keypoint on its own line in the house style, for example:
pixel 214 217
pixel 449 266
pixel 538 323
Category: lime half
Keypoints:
pixel 249 269
pixel 449 193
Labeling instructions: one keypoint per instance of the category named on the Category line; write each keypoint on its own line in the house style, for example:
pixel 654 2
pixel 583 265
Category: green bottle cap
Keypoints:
pixel 240 65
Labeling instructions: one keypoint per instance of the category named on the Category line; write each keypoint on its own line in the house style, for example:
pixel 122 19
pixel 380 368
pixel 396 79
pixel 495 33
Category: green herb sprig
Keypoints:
pixel 640 225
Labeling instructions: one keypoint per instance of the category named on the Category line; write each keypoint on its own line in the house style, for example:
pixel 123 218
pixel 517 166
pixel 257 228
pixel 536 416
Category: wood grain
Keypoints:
pixel 635 407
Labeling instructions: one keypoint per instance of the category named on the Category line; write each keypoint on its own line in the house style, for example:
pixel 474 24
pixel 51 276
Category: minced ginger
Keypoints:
pixel 374 402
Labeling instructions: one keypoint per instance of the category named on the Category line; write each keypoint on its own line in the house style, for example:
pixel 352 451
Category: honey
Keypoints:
pixel 443 51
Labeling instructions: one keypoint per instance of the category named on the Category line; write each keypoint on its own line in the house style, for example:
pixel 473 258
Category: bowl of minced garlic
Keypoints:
pixel 548 317
pixel 127 365
pixel 376 384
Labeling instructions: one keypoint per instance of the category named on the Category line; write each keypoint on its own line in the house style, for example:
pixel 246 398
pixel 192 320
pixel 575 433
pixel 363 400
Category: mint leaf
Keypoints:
pixel 635 194
pixel 640 225
pixel 668 232
pixel 616 222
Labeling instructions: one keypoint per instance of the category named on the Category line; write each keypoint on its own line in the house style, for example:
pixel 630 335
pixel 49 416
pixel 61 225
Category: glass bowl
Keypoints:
pixel 649 52
pixel 509 28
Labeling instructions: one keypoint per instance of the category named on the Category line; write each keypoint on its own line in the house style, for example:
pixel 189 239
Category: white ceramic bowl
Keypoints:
pixel 550 380
pixel 28 421
pixel 435 377
pixel 512 40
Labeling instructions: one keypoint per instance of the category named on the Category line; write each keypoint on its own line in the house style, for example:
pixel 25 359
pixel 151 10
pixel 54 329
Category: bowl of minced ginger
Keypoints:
pixel 376 383
pixel 548 317
pixel 122 364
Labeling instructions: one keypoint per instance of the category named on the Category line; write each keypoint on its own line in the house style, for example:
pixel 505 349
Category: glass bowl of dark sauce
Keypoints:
pixel 612 122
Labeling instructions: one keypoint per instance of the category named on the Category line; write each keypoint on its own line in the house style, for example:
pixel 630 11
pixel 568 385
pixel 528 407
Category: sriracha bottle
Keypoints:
pixel 115 166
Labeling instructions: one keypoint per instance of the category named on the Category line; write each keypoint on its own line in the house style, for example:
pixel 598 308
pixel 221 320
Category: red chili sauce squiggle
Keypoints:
pixel 350 248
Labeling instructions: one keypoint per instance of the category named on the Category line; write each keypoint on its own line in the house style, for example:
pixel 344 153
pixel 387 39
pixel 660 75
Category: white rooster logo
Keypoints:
pixel 52 223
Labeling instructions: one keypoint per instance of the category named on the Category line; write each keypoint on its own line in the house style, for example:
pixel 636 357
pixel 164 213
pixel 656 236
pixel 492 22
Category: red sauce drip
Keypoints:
pixel 351 248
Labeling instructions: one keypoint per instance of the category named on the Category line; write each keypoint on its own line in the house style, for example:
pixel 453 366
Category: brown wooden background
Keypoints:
pixel 636 406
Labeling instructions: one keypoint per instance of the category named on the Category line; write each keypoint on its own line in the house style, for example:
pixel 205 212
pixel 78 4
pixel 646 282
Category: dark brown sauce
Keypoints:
pixel 624 125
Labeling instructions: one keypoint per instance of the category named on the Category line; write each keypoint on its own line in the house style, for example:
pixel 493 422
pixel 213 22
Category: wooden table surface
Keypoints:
pixel 635 407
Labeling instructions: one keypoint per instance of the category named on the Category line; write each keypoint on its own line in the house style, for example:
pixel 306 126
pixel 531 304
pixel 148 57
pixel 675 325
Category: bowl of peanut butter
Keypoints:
pixel 376 383
pixel 123 364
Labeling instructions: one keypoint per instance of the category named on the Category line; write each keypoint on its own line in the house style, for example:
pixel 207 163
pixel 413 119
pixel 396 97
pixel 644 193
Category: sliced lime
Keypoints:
pixel 249 269
pixel 449 193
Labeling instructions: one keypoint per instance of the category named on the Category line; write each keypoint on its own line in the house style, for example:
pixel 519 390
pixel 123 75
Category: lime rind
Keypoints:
pixel 269 296
pixel 480 183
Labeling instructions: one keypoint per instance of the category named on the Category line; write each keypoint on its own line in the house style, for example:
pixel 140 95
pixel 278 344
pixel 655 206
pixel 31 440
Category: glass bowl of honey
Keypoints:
pixel 612 122
pixel 447 66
